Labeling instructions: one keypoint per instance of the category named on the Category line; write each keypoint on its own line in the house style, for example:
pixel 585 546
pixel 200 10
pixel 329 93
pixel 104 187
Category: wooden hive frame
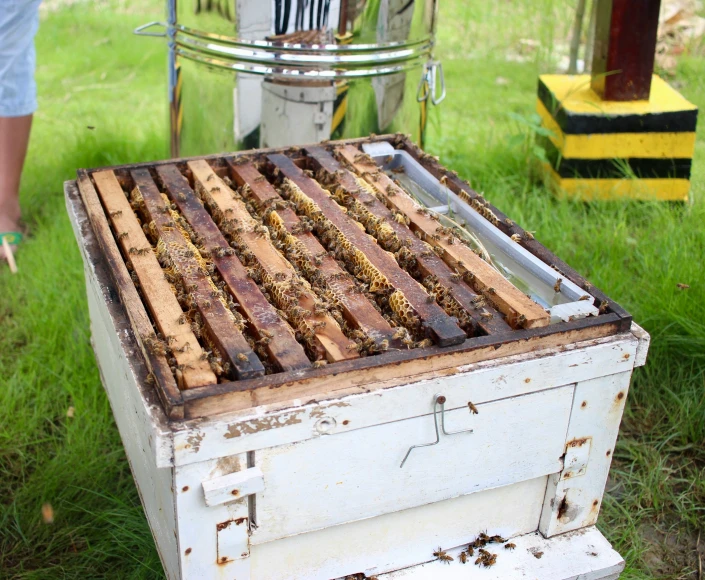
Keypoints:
pixel 192 240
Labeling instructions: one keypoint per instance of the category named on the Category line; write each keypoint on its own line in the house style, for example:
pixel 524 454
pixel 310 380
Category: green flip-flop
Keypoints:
pixel 13 238
pixel 8 239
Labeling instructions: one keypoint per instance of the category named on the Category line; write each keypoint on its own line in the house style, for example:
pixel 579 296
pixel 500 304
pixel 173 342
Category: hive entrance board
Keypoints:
pixel 304 274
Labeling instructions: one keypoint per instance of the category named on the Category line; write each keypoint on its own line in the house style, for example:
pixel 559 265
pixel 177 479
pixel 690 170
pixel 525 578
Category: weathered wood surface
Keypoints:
pixel 433 319
pixel 283 349
pixel 394 368
pixel 644 341
pixel 520 309
pixel 183 256
pixel 463 190
pixel 313 257
pixel 573 499
pixel 512 376
pixel 213 542
pixel 582 555
pixel 362 477
pixel 134 309
pixel 232 486
pixel 157 293
pixel 144 427
pixel 428 262
pixel 327 337
pixel 370 547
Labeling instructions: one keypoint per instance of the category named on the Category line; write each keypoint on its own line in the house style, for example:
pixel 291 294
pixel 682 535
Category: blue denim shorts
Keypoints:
pixel 19 21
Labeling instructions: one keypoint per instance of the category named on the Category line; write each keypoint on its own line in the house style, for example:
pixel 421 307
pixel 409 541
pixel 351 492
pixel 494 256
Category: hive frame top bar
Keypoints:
pixel 579 304
pixel 389 368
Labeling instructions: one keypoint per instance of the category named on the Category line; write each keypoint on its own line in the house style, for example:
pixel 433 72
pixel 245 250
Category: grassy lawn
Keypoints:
pixel 93 73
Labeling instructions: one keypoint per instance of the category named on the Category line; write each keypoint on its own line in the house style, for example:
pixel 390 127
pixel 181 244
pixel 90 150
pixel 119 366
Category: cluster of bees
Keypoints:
pixel 354 260
pixel 189 247
pixel 484 558
pixel 285 291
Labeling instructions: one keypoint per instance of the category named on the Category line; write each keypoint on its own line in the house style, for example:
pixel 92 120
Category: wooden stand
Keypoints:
pixel 622 132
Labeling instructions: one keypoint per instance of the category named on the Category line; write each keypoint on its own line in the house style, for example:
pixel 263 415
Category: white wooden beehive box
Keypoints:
pixel 297 473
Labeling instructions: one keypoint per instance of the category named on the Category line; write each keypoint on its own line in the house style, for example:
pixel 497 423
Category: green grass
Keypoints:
pixel 93 72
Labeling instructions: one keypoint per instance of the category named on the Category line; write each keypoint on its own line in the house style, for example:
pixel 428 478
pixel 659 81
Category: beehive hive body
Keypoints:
pixel 310 485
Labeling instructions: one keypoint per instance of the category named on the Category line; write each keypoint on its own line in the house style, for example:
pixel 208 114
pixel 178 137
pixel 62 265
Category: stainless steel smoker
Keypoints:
pixel 270 73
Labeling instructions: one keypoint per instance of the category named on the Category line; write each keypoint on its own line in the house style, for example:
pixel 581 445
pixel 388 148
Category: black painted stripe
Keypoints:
pixel 601 123
pixel 644 168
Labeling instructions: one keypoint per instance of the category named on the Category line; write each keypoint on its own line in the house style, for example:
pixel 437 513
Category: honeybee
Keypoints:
pixel 521 319
pixel 122 235
pixel 399 169
pixel 259 179
pixel 400 218
pixel 603 306
pixel 319 364
pixel 425 343
pixel 516 238
pixel 206 304
pixel 557 285
pixel 474 411
pixel 383 345
pixel 486 315
pixel 241 357
pixel 471 550
pixel 537 555
pixel 584 297
pixel 508 222
pixel 181 319
pixel 443 556
pixel 116 213
pixel 422 210
pixel 497 540
pixel 463 557
pixel 509 546
pixel 529 235
pixel 456 276
pixel 261 231
pixel 431 298
pixel 319 324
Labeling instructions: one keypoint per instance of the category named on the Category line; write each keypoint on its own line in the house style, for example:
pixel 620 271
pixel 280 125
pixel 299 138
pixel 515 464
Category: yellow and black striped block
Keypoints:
pixel 607 149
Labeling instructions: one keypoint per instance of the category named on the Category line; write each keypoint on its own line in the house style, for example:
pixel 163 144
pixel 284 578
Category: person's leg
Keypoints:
pixel 19 20
pixel 14 138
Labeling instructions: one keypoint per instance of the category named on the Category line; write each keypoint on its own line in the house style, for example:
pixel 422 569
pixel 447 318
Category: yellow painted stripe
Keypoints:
pixel 339 114
pixel 576 96
pixel 618 145
pixel 607 189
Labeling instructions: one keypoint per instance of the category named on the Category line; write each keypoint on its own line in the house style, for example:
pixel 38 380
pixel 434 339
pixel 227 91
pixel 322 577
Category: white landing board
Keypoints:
pixel 581 555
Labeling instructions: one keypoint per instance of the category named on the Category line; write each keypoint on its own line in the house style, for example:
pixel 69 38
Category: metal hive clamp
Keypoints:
pixel 438 400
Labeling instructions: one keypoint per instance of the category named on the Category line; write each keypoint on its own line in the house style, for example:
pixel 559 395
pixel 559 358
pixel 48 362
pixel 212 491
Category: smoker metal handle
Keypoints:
pixel 140 30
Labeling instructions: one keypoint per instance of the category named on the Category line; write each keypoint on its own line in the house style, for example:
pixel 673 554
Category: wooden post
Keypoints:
pixel 624 50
